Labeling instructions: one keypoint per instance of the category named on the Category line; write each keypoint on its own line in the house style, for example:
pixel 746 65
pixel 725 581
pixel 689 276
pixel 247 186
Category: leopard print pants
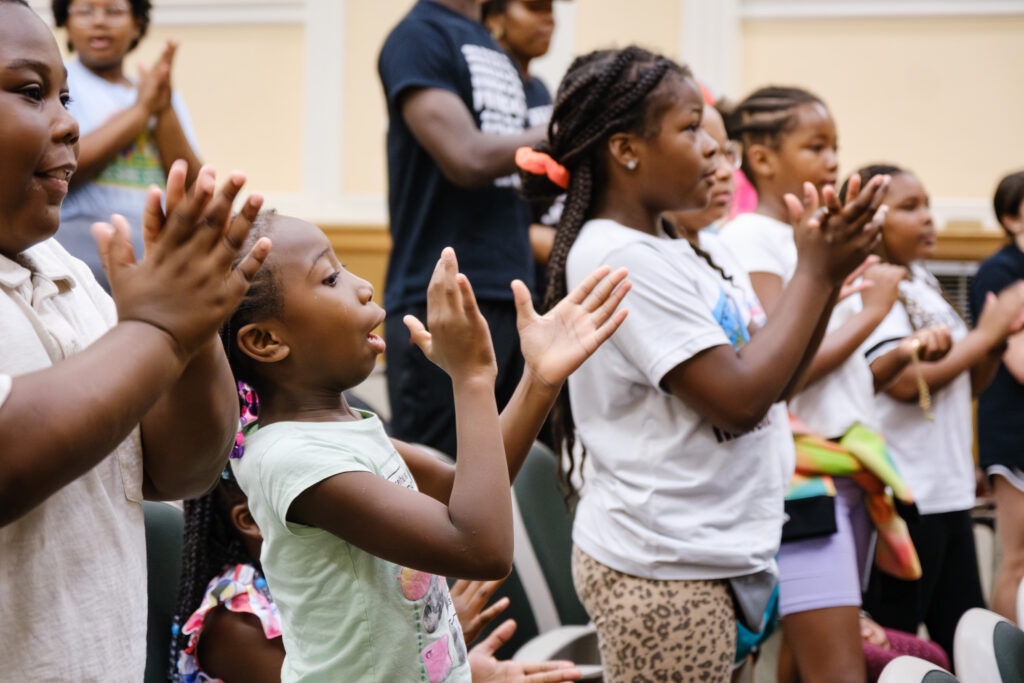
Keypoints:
pixel 651 631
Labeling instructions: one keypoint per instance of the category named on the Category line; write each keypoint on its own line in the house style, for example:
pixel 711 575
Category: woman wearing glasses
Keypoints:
pixel 132 129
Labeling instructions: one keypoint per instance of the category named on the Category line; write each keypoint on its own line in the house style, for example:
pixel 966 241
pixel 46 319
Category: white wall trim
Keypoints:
pixel 836 9
pixel 323 113
pixel 711 43
pixel 969 209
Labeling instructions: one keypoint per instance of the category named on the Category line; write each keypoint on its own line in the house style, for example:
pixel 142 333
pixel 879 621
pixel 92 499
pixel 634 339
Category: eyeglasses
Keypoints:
pixel 91 12
pixel 733 153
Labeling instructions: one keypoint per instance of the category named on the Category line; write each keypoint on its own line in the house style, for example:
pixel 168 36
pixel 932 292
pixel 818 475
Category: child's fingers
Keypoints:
pixel 487 615
pixel 243 275
pixel 180 224
pixel 466 295
pixel 239 227
pixel 525 312
pixel 853 187
pixel 152 218
pixel 103 233
pixel 418 333
pixel 608 291
pixel 174 190
pixel 583 289
pixel 496 638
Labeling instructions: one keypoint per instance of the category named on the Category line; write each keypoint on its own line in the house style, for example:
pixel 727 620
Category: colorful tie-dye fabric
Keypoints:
pixel 862 456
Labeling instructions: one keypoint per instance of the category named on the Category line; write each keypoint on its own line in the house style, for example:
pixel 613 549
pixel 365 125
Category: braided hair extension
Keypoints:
pixel 763 117
pixel 603 93
pixel 211 544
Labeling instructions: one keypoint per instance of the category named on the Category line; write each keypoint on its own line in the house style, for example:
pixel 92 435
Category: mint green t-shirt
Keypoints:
pixel 346 615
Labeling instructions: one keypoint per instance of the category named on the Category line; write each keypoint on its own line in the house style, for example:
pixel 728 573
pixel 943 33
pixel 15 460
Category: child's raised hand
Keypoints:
pixel 469 598
pixel 486 668
pixel 884 286
pixel 1002 314
pixel 930 343
pixel 854 282
pixel 185 284
pixel 458 340
pixel 837 238
pixel 556 343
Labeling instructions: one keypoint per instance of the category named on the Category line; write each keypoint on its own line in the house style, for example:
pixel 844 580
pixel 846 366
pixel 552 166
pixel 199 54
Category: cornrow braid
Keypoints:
pixel 603 93
pixel 763 117
pixel 211 543
pixel 261 301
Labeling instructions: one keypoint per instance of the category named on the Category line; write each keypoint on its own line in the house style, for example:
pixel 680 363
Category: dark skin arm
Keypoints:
pixel 766 366
pixel 169 306
pixel 233 648
pixel 844 341
pixel 979 352
pixel 467 156
pixel 553 345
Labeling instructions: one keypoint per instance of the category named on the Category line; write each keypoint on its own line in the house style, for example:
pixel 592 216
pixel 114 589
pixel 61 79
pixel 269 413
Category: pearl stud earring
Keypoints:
pixel 631 164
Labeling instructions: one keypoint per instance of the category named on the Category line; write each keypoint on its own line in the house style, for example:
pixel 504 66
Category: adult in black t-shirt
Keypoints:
pixel 457 114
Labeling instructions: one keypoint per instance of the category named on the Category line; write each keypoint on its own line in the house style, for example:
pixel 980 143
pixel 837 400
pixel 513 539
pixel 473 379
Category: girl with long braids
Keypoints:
pixel 926 415
pixel 789 139
pixel 681 506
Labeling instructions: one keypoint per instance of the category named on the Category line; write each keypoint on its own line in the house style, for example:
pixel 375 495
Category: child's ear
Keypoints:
pixel 261 343
pixel 241 519
pixel 762 160
pixel 624 150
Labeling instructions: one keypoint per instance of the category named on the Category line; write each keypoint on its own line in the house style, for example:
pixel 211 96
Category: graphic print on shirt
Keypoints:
pixel 727 314
pixel 498 97
pixel 137 165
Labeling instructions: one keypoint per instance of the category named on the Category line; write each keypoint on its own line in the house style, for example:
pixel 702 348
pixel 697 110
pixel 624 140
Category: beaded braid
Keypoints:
pixel 211 543
pixel 603 92
pixel 763 117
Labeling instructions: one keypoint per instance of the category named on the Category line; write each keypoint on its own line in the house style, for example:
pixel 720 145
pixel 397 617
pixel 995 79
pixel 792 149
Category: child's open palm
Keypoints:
pixel 456 338
pixel 556 343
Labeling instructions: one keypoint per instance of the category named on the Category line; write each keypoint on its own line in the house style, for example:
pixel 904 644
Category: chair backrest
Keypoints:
pixel 548 527
pixel 908 669
pixel 988 648
pixel 164 537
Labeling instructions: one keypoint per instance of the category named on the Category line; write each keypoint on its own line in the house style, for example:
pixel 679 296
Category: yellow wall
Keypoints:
pixel 937 94
pixel 940 95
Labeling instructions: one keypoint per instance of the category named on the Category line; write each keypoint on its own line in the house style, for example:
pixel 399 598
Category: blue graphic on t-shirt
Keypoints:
pixel 727 315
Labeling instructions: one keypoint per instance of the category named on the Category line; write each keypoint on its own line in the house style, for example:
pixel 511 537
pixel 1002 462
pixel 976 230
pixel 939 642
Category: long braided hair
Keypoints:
pixel 603 93
pixel 763 117
pixel 211 544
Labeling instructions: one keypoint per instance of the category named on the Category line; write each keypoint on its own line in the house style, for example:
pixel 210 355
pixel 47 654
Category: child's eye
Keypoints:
pixel 66 99
pixel 332 279
pixel 33 92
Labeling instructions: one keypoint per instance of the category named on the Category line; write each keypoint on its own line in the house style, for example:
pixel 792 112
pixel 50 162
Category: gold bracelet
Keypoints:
pixel 924 395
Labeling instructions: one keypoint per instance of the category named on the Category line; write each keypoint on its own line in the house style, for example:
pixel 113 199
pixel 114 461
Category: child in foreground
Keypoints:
pixel 234 631
pixel 358 530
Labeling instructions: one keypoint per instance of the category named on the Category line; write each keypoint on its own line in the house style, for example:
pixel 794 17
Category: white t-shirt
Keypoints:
pixel 935 458
pixel 73 569
pixel 669 495
pixel 842 398
pixel 121 187
pixel 346 615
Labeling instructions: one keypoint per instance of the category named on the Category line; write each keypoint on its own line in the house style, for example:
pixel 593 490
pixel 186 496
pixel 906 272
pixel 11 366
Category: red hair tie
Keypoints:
pixel 539 163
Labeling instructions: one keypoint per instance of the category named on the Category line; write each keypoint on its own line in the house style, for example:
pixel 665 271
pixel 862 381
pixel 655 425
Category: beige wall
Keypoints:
pixel 937 94
pixel 940 95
